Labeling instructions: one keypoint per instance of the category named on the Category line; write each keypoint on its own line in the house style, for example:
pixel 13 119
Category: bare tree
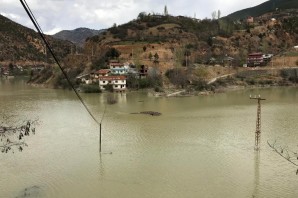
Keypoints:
pixel 218 14
pixel 12 134
pixel 285 153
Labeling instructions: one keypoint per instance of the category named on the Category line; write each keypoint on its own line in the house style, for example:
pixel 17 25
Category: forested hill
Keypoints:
pixel 19 43
pixel 268 6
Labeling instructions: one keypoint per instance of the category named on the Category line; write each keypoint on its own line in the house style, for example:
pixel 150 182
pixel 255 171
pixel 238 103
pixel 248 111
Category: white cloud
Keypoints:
pixel 55 15
pixel 11 15
pixel 53 31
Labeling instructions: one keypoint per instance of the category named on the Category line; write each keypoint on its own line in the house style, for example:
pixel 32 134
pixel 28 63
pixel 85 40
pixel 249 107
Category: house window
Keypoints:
pixel 116 81
pixel 103 81
pixel 110 81
pixel 116 85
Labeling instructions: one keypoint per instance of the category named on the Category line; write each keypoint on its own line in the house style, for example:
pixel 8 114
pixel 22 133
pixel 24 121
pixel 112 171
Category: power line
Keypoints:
pixel 38 28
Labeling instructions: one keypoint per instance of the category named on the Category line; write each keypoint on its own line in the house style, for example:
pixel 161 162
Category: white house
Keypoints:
pixel 84 78
pixel 118 82
pixel 119 68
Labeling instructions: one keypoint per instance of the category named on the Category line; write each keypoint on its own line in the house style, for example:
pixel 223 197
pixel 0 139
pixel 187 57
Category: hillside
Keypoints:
pixel 20 44
pixel 77 36
pixel 165 42
pixel 268 6
pixel 172 37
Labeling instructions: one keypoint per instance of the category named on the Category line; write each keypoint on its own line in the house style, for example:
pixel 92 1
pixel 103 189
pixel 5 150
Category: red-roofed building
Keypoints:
pixel 255 59
pixel 118 82
pixel 250 19
pixel 103 72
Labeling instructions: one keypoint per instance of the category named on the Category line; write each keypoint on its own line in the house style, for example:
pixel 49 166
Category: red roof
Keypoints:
pixel 103 71
pixel 116 64
pixel 256 54
pixel 112 78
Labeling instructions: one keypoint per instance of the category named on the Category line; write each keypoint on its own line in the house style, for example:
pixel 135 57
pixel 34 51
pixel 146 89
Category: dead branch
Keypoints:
pixel 13 135
pixel 285 153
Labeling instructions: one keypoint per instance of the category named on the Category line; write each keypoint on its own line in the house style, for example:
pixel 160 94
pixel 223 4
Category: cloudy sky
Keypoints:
pixel 56 15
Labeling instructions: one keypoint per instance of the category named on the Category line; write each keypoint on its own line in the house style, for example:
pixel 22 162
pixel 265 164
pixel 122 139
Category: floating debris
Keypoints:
pixel 152 113
pixel 30 192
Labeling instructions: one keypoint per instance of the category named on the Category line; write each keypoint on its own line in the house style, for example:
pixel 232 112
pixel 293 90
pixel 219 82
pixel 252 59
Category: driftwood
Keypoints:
pixel 152 113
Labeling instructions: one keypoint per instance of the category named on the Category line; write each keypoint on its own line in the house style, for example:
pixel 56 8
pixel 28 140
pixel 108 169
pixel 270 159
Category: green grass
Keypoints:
pixel 292 54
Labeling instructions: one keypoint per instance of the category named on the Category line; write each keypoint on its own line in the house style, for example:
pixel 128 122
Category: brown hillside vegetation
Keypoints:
pixel 136 39
pixel 21 45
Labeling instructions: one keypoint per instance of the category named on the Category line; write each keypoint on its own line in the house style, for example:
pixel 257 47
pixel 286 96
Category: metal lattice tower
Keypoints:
pixel 258 123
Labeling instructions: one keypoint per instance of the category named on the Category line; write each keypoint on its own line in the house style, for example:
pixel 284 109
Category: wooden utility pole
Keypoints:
pixel 258 123
pixel 100 138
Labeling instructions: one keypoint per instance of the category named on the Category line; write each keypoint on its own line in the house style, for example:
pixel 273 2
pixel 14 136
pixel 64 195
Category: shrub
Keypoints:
pixel 161 28
pixel 144 83
pixel 109 87
pixel 158 89
pixel 177 76
pixel 200 85
pixel 89 88
pixel 251 81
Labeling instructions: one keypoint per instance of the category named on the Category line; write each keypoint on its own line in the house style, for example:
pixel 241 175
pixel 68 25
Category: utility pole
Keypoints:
pixel 258 123
pixel 99 137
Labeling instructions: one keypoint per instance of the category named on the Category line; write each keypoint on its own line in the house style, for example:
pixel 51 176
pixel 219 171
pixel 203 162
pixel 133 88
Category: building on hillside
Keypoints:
pixel 228 61
pixel 250 20
pixel 133 72
pixel 118 82
pixel 84 78
pixel 267 57
pixel 255 59
pixel 143 71
pixel 118 68
pixel 102 72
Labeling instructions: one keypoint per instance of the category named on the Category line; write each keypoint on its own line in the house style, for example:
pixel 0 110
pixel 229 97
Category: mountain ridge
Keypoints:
pixel 78 35
pixel 263 8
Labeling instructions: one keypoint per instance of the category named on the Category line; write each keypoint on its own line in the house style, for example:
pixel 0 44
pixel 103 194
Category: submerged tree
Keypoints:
pixel 285 152
pixel 13 135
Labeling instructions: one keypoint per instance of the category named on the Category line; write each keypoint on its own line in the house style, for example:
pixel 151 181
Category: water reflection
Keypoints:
pixel 256 174
pixel 199 147
pixel 101 167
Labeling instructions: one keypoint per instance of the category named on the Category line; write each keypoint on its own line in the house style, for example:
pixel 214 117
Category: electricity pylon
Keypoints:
pixel 258 123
